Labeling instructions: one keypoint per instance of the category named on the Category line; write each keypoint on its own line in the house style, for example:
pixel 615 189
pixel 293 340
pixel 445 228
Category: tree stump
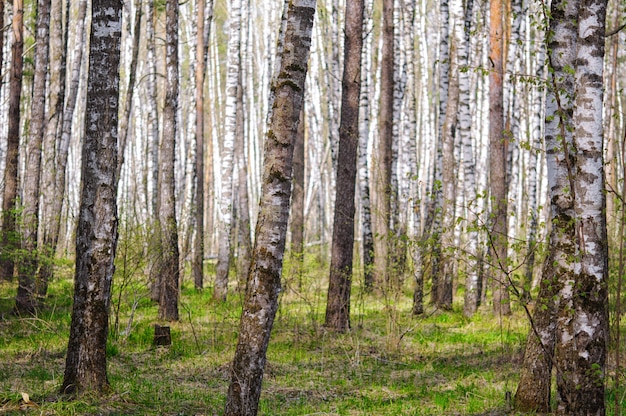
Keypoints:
pixel 162 336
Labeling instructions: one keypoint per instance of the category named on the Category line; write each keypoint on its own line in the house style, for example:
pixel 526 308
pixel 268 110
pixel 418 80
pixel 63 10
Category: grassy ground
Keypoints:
pixel 390 363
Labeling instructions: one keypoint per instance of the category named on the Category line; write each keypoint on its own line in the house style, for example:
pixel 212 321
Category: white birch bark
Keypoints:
pixel 220 289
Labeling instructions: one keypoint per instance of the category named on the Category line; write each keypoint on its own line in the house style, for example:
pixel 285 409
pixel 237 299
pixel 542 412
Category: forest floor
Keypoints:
pixel 390 363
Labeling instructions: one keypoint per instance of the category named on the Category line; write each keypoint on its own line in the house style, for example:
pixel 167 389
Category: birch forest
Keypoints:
pixel 352 175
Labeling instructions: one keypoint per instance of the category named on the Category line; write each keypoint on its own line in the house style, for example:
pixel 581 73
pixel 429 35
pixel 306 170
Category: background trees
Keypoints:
pixel 457 180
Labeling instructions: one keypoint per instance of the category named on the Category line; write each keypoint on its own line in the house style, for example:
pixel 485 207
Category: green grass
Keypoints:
pixel 390 363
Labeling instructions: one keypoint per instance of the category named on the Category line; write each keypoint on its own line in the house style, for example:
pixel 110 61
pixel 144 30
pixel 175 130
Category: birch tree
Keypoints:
pixel 261 300
pixel 58 191
pixel 96 238
pixel 56 96
pixel 570 325
pixel 25 301
pixel 340 279
pixel 582 345
pixel 169 261
pixel 220 289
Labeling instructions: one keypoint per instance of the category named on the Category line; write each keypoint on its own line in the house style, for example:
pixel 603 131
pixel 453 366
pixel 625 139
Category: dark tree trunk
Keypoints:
pixel 261 300
pixel 340 279
pixel 297 201
pixel 498 144
pixel 96 238
pixel 198 248
pixel 10 238
pixel 169 271
pixel 384 155
pixel 25 301
pixel 244 242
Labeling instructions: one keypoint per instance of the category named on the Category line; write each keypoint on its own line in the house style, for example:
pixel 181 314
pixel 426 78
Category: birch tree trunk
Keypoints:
pixel 364 133
pixel 127 109
pixel 169 262
pixel 25 301
pixel 472 290
pixel 96 239
pixel 582 346
pixel 10 238
pixel 56 94
pixel 220 289
pixel 340 279
pixel 261 301
pixel 51 237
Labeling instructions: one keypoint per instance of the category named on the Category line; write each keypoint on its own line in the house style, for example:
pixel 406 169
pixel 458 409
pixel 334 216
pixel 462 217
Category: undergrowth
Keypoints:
pixel 390 363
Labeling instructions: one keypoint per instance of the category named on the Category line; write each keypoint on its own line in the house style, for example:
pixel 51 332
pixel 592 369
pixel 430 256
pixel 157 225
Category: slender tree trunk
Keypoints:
pixel 10 238
pixel 340 279
pixel 384 154
pixel 56 94
pixel 96 239
pixel 128 105
pixel 363 169
pixel 25 301
pixel 449 127
pixel 51 239
pixel 498 144
pixel 169 264
pixel 244 244
pixel 230 130
pixel 261 300
pixel 297 200
pixel 198 248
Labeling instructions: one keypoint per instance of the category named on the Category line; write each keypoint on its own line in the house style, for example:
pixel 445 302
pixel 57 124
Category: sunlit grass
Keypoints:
pixel 390 363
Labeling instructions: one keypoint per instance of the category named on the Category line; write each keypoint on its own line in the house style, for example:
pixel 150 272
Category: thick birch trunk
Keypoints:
pixel 584 341
pixel 261 300
pixel 96 239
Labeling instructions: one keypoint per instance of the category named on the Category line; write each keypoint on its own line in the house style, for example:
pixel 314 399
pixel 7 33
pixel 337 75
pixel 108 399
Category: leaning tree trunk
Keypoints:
pixel 340 279
pixel 10 238
pixel 25 301
pixel 583 343
pixel 169 271
pixel 261 300
pixel 96 238
pixel 220 290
